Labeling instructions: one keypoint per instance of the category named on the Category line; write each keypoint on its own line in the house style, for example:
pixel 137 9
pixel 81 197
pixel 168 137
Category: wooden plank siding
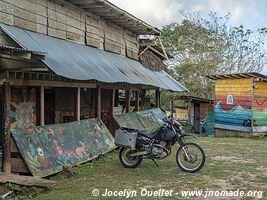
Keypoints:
pixel 61 19
pixel 260 107
pixel 236 116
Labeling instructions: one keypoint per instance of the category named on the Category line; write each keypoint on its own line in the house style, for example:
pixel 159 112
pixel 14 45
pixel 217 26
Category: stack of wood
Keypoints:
pixel 152 61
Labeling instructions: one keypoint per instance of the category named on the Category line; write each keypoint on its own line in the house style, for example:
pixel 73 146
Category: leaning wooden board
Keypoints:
pixel 147 120
pixel 47 149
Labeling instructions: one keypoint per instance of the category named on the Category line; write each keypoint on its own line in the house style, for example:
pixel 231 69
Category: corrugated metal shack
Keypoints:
pixel 240 104
pixel 65 61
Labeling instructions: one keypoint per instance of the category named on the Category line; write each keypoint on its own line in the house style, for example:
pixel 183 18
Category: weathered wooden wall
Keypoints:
pixel 260 107
pixel 236 116
pixel 181 114
pixel 58 18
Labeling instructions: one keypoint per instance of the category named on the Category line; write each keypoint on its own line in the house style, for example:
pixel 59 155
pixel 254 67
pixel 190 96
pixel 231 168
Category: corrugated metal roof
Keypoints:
pixel 238 75
pixel 16 49
pixel 80 62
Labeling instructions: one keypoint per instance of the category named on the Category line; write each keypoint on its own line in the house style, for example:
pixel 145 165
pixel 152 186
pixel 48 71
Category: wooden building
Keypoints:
pixel 66 60
pixel 240 104
pixel 197 111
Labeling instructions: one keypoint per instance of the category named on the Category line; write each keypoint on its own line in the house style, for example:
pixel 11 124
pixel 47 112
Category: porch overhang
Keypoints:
pixel 79 62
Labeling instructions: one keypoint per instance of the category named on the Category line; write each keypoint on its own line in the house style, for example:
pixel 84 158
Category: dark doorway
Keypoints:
pixel 196 117
pixel 49 106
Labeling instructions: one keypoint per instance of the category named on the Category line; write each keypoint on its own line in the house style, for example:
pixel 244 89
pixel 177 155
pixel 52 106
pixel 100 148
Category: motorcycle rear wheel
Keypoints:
pixel 195 152
pixel 127 161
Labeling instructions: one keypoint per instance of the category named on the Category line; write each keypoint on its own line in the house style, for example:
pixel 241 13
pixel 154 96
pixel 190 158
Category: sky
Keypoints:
pixel 250 13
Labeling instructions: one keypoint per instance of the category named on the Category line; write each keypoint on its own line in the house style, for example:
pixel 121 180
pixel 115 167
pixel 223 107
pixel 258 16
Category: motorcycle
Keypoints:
pixel 138 145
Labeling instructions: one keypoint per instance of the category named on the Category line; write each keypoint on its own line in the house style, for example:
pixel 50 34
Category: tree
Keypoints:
pixel 201 47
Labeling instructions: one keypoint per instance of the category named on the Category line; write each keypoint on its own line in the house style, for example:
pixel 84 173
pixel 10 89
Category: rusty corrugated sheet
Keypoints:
pixel 80 62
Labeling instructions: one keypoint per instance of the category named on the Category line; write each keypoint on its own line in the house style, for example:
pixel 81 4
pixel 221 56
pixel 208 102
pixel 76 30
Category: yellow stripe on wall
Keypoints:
pixel 238 87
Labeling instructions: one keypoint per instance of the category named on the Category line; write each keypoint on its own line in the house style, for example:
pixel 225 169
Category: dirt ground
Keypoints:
pixel 233 164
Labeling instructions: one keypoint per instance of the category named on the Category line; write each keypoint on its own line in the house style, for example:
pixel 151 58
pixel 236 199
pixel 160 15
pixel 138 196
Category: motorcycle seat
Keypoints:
pixel 149 135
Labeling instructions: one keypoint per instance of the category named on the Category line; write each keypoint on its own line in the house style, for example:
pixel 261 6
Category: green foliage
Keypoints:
pixel 201 47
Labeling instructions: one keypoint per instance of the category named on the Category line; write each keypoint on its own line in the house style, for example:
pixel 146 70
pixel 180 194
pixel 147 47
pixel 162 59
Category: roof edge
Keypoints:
pixel 237 75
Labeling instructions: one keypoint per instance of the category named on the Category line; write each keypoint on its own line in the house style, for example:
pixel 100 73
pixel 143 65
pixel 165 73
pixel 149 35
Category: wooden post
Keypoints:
pixel 127 101
pixel 137 107
pixel 143 97
pixel 42 109
pixel 112 102
pixel 172 109
pixel 157 98
pixel 98 105
pixel 7 127
pixel 116 98
pixel 78 104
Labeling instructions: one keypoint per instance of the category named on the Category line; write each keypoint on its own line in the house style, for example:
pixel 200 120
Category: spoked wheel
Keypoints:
pixel 127 161
pixel 190 158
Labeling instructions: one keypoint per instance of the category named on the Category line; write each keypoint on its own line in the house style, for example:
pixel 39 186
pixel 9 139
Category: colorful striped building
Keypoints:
pixel 240 104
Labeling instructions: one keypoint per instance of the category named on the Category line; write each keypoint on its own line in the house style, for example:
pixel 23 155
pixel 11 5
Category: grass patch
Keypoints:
pixel 232 163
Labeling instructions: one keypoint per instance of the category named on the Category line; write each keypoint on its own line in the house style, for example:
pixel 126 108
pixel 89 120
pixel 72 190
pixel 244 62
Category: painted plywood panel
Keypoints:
pixel 147 120
pixel 236 115
pixel 181 114
pixel 210 122
pixel 47 149
pixel 260 107
pixel 23 108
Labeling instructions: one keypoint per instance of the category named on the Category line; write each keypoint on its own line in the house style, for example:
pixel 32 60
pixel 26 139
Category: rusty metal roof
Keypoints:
pixel 116 15
pixel 21 50
pixel 80 62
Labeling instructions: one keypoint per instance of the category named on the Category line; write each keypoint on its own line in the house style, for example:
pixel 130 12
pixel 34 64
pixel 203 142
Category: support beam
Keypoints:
pixel 143 97
pixel 172 108
pixel 42 107
pixel 116 98
pixel 7 127
pixel 78 105
pixel 112 103
pixel 98 106
pixel 157 98
pixel 137 107
pixel 127 101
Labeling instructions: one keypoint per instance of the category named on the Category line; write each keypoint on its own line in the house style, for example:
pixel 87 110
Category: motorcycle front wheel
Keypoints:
pixel 127 161
pixel 190 158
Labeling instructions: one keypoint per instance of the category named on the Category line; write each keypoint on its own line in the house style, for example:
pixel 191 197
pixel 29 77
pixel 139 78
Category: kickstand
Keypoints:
pixel 155 162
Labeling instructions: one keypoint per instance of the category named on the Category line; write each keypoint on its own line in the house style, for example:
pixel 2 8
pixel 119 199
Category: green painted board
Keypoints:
pixel 210 124
pixel 47 149
pixel 147 120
